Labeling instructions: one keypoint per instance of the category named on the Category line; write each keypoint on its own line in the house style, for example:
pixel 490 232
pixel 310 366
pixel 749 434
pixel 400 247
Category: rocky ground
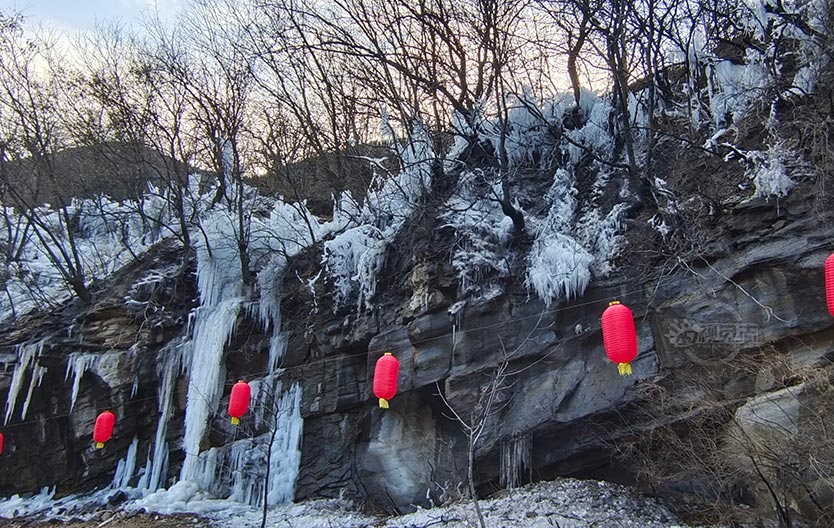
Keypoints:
pixel 120 519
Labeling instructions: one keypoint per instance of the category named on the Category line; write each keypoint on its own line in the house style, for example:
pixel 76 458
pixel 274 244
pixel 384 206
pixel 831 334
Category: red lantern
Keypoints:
pixel 619 336
pixel 385 378
pixel 239 400
pixel 1 443
pixel 829 283
pixel 104 428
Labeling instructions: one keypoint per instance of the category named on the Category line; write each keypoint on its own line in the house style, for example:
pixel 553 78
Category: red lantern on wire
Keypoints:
pixel 239 401
pixel 619 336
pixel 829 283
pixel 385 378
pixel 1 443
pixel 103 430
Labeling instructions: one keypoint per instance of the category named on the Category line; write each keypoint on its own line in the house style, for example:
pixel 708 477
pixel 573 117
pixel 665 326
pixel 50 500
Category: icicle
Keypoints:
pixel 26 354
pixel 264 398
pixel 211 325
pixel 285 451
pixel 269 307
pixel 257 402
pixel 37 377
pixel 269 286
pixel 144 480
pixel 277 347
pixel 211 333
pixel 77 364
pixel 168 367
pixel 125 467
pixel 246 464
pixel 135 388
pixel 207 469
pixel 515 460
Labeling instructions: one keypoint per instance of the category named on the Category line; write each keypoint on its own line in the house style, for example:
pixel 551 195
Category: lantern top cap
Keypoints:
pixel 612 303
pixel 389 354
pixel 242 381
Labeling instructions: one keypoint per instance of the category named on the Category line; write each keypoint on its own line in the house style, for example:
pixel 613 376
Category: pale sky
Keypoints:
pixel 82 15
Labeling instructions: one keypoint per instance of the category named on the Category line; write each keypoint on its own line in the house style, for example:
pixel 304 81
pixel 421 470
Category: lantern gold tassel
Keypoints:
pixel 624 368
pixel 99 445
pixel 235 420
pixel 383 403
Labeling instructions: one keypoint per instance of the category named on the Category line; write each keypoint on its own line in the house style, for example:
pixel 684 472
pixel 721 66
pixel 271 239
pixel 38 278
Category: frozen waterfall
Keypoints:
pixel 220 284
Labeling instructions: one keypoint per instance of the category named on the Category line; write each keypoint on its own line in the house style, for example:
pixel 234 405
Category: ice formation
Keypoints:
pixel 282 231
pixel 212 329
pixel 27 356
pixel 169 367
pixel 515 460
pixel 573 242
pixel 354 257
pixel 482 232
pixel 559 267
pixel 238 471
pixel 77 364
pixel 234 471
pixel 126 467
pixel 107 236
pixel 38 372
pixel 769 171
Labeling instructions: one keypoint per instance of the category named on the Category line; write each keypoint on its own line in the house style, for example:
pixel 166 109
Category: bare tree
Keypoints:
pixel 771 451
pixel 30 110
pixel 143 114
pixel 492 397
pixel 432 55
pixel 574 20
pixel 219 81
pixel 488 403
pixel 332 101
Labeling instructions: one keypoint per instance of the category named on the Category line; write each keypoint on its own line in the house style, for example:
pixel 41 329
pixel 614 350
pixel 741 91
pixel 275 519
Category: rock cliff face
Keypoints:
pixel 748 285
pixel 106 355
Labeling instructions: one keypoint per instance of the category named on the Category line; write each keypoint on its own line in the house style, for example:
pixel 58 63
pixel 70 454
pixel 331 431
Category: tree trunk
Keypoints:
pixel 80 289
pixel 617 66
pixel 573 55
pixel 471 477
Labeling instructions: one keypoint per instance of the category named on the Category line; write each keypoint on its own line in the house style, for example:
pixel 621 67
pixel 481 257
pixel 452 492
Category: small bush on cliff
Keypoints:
pixel 750 459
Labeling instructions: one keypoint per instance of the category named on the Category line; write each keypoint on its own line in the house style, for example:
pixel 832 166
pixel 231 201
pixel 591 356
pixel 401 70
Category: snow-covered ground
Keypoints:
pixel 564 503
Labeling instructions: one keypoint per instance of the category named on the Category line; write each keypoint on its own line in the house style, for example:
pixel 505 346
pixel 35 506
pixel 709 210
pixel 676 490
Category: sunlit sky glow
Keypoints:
pixel 83 15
